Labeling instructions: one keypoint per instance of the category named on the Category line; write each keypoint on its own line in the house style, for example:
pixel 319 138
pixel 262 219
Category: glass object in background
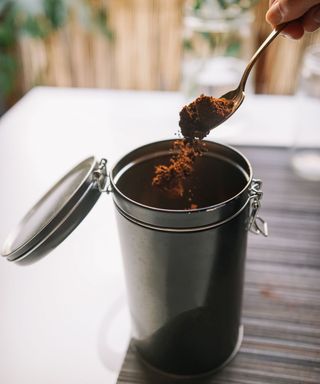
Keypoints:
pixel 306 147
pixel 217 45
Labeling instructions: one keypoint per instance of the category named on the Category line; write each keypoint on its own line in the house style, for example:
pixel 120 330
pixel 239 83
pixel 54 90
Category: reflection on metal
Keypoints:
pixel 256 224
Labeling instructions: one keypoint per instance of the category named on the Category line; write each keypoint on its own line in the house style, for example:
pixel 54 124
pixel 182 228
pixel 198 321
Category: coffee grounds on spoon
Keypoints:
pixel 198 118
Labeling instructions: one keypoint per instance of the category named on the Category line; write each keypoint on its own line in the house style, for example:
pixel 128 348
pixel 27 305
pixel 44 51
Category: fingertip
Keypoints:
pixel 274 14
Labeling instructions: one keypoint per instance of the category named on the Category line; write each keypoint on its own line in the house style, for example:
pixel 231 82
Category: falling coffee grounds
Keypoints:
pixel 171 178
pixel 196 119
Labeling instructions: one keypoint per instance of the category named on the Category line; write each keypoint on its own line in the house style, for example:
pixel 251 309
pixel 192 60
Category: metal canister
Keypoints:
pixel 185 267
pixel 184 258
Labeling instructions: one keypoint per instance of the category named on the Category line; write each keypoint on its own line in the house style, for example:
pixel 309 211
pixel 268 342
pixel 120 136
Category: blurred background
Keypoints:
pixel 189 45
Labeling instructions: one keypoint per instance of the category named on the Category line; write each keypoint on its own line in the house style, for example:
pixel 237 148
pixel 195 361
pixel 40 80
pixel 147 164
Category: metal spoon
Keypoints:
pixel 237 95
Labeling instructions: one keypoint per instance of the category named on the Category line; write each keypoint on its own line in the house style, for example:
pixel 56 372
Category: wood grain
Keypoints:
pixel 281 310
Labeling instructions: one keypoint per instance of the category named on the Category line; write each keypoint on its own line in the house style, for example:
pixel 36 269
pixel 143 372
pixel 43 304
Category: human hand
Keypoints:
pixel 302 15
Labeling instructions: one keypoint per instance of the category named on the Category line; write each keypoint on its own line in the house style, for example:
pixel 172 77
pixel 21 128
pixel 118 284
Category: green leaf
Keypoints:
pixel 35 27
pixel 187 45
pixel 8 70
pixel 7 25
pixel 223 4
pixel 100 19
pixel 7 36
pixel 56 12
pixel 198 4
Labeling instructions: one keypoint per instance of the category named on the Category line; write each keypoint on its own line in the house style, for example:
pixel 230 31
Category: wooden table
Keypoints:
pixel 281 312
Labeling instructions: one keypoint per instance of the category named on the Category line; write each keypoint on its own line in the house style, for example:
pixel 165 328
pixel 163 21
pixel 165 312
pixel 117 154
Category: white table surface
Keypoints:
pixel 65 318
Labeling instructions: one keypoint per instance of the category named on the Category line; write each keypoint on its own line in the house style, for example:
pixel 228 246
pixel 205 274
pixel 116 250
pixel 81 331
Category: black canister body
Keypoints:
pixel 185 268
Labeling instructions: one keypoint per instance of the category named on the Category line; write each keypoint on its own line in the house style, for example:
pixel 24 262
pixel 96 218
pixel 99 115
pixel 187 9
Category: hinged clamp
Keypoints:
pixel 100 174
pixel 256 224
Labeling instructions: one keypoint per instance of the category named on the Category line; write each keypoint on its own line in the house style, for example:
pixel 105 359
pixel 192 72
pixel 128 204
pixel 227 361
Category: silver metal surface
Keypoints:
pixel 102 177
pixel 256 224
pixel 154 216
pixel 186 265
pixel 54 216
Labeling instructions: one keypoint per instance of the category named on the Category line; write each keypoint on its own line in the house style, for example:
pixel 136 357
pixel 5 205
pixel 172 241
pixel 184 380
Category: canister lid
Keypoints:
pixel 56 214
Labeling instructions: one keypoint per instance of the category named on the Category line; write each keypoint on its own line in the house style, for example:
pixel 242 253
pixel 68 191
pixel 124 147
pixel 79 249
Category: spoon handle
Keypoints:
pixel 257 54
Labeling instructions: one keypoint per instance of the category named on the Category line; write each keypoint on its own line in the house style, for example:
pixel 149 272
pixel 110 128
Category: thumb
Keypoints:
pixel 282 11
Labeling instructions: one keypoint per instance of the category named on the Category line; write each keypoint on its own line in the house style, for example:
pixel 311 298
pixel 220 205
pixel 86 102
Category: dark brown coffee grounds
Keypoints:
pixel 198 117
pixel 171 177
pixel 196 120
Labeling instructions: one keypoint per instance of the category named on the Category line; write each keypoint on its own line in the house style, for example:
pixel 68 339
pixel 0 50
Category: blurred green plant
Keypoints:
pixel 100 20
pixel 55 11
pixel 16 20
pixel 8 65
pixel 212 10
pixel 198 4
pixel 224 4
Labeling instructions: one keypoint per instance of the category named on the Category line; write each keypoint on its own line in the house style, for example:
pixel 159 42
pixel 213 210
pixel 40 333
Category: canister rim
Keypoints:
pixel 183 211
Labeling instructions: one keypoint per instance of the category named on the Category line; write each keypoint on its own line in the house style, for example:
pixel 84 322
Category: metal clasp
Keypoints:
pixel 101 176
pixel 256 224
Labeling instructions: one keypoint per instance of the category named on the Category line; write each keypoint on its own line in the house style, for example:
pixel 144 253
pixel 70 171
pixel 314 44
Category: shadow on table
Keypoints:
pixel 136 370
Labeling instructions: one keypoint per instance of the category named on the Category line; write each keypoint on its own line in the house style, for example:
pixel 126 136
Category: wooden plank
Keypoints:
pixel 281 309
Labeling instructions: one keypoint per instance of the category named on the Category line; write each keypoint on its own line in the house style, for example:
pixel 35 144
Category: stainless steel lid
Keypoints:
pixel 57 214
